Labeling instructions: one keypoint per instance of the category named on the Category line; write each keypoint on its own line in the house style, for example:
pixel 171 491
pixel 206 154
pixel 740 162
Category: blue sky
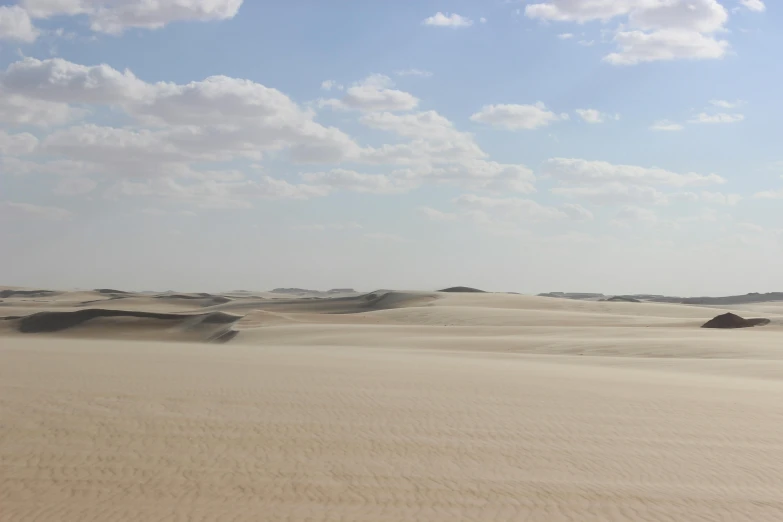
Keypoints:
pixel 616 146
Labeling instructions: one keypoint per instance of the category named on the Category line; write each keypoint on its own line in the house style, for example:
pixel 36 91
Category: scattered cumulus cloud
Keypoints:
pixel 15 25
pixel 637 47
pixel 374 93
pixel 653 31
pixel 113 17
pixel 725 104
pixel 595 116
pixel 517 117
pixel 754 5
pixel 329 85
pixel 448 20
pixel 721 117
pixel 580 171
pixel 666 126
pixel 414 72
pixel 565 36
pixel 356 182
pixel 769 194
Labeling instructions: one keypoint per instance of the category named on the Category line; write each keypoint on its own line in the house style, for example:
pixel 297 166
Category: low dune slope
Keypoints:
pixel 114 431
pixel 115 324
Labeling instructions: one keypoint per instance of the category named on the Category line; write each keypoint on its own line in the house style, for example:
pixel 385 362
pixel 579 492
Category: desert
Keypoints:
pixel 387 406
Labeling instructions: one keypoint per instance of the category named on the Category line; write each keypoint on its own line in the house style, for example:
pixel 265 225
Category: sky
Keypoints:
pixel 618 146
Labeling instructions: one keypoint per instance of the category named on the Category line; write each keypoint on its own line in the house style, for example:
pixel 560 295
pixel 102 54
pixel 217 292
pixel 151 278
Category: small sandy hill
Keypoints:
pixel 104 323
pixel 731 321
pixel 4 294
pixel 380 300
pixel 623 299
pixel 462 290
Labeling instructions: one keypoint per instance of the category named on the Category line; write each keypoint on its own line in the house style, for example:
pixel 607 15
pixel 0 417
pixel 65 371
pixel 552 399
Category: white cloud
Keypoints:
pixel 15 212
pixel 725 104
pixel 629 215
pixel 113 17
pixel 699 16
pixel 434 140
pixel 219 117
pixel 591 115
pixel 216 194
pixel 577 212
pixel 440 153
pixel 483 20
pixel 516 117
pixel 516 209
pixel 414 72
pixel 437 215
pixel 580 11
pixel 357 182
pixel 717 118
pixel 637 46
pixel 666 126
pixel 483 175
pixel 448 20
pixel 18 110
pixel 374 93
pixel 15 24
pixel 613 193
pixel 565 36
pixel 720 198
pixel 655 30
pixel 328 85
pixel 754 5
pixel 580 171
pixel 17 144
pixel 60 81
pixel 769 194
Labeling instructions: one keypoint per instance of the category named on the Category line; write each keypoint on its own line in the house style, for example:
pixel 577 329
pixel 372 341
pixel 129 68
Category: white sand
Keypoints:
pixel 468 407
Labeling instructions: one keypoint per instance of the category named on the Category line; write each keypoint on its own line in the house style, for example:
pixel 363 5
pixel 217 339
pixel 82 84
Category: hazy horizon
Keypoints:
pixel 548 145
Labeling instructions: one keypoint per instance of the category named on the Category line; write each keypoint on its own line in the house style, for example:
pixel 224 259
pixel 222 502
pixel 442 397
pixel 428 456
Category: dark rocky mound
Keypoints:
pixel 623 299
pixel 110 291
pixel 463 289
pixel 55 321
pixel 730 321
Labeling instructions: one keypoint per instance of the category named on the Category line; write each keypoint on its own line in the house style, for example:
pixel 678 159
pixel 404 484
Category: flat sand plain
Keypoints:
pixel 397 406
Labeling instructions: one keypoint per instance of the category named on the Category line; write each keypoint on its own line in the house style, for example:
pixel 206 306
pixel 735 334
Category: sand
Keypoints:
pixel 417 407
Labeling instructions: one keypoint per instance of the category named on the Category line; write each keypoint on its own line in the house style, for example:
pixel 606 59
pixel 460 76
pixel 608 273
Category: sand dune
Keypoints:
pixel 116 324
pixel 391 406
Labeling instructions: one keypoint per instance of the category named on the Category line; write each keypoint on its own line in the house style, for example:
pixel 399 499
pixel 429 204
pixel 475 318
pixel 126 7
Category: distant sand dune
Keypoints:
pixel 91 322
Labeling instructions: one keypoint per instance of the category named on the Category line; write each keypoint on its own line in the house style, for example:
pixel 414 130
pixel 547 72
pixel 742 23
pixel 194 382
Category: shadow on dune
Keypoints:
pixel 216 326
